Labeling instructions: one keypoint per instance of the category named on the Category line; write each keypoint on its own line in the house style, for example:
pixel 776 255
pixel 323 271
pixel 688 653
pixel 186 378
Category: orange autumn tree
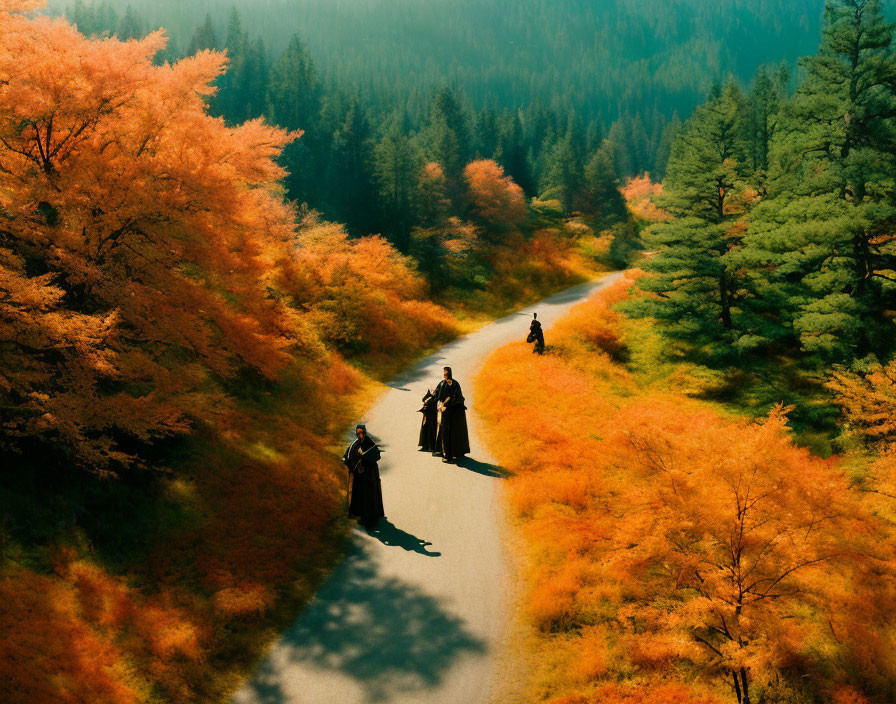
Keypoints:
pixel 137 236
pixel 868 400
pixel 868 404
pixel 727 536
pixel 496 200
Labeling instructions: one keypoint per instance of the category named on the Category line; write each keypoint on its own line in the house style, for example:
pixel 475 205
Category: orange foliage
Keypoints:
pixel 68 644
pixel 868 400
pixel 526 269
pixel 261 504
pixel 495 198
pixel 641 193
pixel 741 534
pixel 658 694
pixel 153 227
pixel 848 695
pixel 152 279
pixel 663 537
pixel 65 659
pixel 653 694
pixel 360 295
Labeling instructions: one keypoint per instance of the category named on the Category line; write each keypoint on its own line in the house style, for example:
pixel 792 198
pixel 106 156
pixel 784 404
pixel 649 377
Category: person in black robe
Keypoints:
pixel 452 439
pixel 536 335
pixel 365 491
pixel 428 428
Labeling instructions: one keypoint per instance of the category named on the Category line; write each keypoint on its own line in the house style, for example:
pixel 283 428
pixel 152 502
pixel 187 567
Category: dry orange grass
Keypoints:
pixel 657 694
pixel 596 464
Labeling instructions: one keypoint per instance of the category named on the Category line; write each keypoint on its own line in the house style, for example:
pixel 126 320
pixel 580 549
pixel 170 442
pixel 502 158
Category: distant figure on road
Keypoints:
pixel 452 439
pixel 365 492
pixel 536 335
pixel 428 427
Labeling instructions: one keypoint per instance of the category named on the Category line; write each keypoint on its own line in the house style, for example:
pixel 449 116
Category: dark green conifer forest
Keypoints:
pixel 539 86
pixel 784 206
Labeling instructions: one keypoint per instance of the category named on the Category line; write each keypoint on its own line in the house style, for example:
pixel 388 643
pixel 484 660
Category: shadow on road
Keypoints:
pixel 389 535
pixel 386 635
pixel 484 468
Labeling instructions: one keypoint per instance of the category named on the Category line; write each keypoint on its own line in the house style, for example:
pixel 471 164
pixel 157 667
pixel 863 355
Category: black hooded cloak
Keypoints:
pixel 452 438
pixel 536 335
pixel 361 457
pixel 428 427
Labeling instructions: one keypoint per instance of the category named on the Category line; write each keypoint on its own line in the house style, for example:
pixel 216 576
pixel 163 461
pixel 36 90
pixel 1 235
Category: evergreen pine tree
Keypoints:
pixel 352 182
pixel 511 152
pixel 252 81
pixel 106 19
pixel 563 174
pixel 295 103
pixel 603 200
pixel 664 148
pixel 620 143
pixel 228 102
pixel 84 17
pixel 448 138
pixel 819 249
pixel 765 100
pixel 131 26
pixel 397 164
pixel 203 38
pixel 692 289
pixel 486 134
pixel 640 146
pixel 594 136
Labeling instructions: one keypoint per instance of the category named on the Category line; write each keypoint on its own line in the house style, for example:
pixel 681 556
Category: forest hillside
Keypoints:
pixel 181 347
pixel 537 85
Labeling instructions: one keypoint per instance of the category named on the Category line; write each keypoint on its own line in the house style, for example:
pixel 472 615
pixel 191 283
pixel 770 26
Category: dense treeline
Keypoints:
pixel 512 67
pixel 364 162
pixel 783 207
pixel 602 58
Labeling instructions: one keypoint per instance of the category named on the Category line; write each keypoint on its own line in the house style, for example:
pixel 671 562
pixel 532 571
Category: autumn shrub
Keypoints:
pixel 868 400
pixel 669 544
pixel 640 193
pixel 57 654
pixel 360 296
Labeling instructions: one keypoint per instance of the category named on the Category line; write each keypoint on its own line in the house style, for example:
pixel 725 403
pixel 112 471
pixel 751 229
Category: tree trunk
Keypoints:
pixel 725 299
pixel 737 687
pixel 744 686
pixel 862 263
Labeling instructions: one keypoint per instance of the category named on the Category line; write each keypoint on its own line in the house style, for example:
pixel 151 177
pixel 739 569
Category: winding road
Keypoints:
pixel 418 611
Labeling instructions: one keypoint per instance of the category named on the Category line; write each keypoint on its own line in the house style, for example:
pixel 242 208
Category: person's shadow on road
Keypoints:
pixel 484 468
pixel 389 535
